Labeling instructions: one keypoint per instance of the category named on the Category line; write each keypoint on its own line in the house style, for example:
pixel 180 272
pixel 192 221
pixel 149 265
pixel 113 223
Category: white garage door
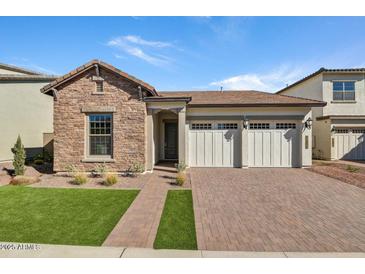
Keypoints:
pixel 350 143
pixel 273 145
pixel 214 145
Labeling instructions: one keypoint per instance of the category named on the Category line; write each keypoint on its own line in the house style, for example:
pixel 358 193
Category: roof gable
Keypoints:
pixel 92 65
pixel 323 70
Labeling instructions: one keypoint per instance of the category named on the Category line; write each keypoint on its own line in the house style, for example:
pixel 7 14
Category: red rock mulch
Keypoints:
pixel 339 172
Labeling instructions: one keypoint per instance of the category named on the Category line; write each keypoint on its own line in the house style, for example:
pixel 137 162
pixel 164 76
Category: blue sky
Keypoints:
pixel 188 53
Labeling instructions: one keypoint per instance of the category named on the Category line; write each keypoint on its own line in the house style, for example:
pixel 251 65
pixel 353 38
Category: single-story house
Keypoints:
pixel 24 111
pixel 104 115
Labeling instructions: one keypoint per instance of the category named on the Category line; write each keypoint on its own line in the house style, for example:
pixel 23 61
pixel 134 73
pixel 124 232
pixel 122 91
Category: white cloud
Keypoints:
pixel 138 47
pixel 271 81
pixel 139 41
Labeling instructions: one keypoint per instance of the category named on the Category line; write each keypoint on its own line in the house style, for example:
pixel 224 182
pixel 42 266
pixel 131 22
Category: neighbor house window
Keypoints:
pixel 344 91
pixel 100 134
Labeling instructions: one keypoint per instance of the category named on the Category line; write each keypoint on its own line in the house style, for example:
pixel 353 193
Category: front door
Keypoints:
pixel 171 141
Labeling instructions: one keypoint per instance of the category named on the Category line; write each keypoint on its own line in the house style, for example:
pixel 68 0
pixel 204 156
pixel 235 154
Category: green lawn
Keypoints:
pixel 60 216
pixel 177 226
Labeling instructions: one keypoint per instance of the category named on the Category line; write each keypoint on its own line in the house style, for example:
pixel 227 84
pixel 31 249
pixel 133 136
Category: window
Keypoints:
pixel 100 135
pixel 358 130
pixel 306 142
pixel 99 86
pixel 259 126
pixel 341 130
pixel 344 91
pixel 285 125
pixel 228 126
pixel 201 126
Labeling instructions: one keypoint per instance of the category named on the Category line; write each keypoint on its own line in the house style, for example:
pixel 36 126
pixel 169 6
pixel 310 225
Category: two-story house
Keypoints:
pixel 339 127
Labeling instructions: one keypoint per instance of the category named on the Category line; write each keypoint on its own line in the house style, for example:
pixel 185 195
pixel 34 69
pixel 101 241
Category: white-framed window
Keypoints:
pixel 227 126
pixel 259 125
pixel 358 130
pixel 201 126
pixel 341 130
pixel 285 125
pixel 100 130
pixel 343 90
pixel 99 86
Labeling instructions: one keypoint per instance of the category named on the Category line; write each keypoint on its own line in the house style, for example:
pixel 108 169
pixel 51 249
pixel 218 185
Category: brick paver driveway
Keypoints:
pixel 276 210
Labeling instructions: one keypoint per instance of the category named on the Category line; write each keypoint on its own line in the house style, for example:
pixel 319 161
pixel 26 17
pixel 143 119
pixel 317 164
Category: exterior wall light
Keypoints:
pixel 245 123
pixel 308 123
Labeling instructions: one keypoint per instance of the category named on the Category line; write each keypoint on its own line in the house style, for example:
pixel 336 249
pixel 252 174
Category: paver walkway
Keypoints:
pixel 287 210
pixel 138 226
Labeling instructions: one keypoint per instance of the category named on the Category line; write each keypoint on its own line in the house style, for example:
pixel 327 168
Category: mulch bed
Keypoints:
pixel 339 172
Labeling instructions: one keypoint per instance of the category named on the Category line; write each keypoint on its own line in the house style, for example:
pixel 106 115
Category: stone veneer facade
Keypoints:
pixel 120 95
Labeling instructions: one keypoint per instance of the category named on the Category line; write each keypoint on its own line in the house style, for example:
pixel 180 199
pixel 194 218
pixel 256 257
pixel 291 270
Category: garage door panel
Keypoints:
pixel 273 148
pixel 213 147
pixel 208 149
pixel 350 146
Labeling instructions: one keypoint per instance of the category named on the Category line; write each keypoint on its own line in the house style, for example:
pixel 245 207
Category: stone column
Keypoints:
pixel 182 137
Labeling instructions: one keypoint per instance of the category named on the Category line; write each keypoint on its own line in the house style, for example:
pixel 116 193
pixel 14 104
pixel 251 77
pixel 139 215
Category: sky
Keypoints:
pixel 188 53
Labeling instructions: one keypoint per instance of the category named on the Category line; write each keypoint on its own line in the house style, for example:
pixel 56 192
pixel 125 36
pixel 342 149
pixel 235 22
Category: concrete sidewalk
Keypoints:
pixel 19 250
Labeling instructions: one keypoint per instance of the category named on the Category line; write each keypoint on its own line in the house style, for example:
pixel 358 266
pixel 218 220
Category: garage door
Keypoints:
pixel 350 143
pixel 273 145
pixel 213 144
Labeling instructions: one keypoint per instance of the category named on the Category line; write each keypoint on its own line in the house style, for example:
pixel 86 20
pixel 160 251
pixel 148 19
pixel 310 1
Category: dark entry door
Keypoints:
pixel 171 140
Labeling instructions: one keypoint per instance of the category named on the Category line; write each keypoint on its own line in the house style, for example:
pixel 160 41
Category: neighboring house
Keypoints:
pixel 24 110
pixel 338 127
pixel 104 115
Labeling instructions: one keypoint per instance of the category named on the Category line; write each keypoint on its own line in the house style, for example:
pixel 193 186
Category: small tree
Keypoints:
pixel 19 157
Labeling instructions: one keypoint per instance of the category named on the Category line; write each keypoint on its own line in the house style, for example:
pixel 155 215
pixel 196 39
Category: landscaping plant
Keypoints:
pixel 110 179
pixel 19 157
pixel 100 170
pixel 352 169
pixel 180 179
pixel 180 167
pixel 79 178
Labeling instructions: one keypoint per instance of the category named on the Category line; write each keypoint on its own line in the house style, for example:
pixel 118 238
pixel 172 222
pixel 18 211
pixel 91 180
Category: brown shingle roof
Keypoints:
pixel 90 65
pixel 239 98
pixel 345 70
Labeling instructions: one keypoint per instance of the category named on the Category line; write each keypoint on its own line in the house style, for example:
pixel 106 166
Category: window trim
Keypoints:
pixel 97 158
pixel 343 100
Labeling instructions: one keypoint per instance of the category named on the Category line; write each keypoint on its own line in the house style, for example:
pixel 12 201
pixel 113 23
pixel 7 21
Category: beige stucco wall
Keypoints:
pixel 332 108
pixel 320 87
pixel 6 71
pixel 26 111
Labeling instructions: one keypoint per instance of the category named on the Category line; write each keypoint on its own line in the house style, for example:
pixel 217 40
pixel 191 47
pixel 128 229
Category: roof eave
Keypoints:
pixel 260 105
pixel 167 99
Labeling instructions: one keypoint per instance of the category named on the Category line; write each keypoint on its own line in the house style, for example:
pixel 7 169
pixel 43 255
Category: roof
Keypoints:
pixel 324 70
pixel 25 75
pixel 340 117
pixel 90 65
pixel 239 98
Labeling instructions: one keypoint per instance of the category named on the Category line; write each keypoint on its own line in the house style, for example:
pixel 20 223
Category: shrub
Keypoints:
pixel 180 179
pixel 352 169
pixel 71 170
pixel 38 162
pixel 135 169
pixel 110 179
pixel 100 170
pixel 180 167
pixel 19 157
pixel 23 180
pixel 79 178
